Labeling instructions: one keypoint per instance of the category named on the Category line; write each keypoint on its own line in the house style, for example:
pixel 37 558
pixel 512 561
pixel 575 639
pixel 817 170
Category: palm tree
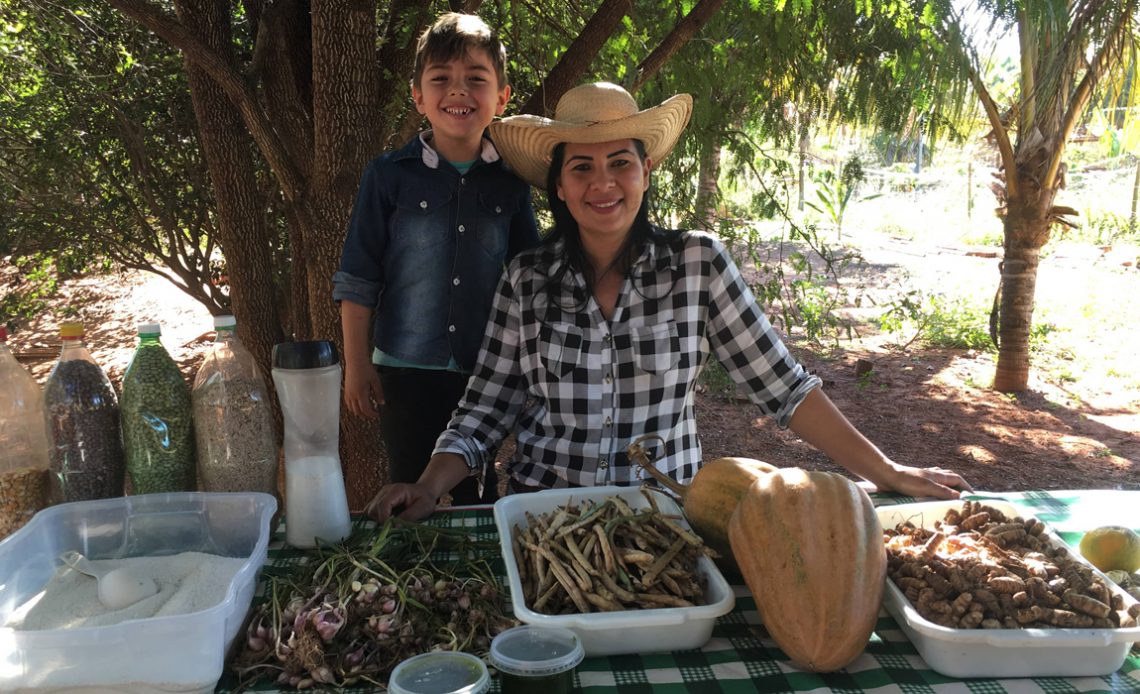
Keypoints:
pixel 1070 51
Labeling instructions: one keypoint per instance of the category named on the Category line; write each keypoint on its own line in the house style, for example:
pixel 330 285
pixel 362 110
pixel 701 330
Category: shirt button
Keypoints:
pixel 498 209
pixel 607 338
pixel 455 281
pixel 462 228
pixel 609 421
pixel 423 204
pixel 603 464
pixel 451 328
pixel 609 379
pixel 463 181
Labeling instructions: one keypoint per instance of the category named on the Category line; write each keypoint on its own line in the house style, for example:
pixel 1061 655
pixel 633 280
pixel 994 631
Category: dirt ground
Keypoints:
pixel 921 407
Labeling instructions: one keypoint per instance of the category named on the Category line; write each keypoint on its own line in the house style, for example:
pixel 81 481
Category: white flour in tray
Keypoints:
pixel 187 582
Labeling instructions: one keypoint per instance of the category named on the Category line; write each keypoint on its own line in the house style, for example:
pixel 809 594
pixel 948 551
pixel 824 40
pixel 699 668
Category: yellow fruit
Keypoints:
pixel 1112 548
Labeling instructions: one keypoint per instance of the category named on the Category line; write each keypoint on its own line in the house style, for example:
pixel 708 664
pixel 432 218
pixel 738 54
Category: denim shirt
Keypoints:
pixel 426 247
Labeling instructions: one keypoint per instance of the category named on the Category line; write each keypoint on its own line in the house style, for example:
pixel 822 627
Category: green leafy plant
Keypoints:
pixel 938 320
pixel 836 190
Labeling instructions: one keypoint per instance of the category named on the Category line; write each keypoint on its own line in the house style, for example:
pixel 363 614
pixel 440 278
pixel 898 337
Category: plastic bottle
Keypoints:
pixel 158 432
pixel 86 450
pixel 233 418
pixel 23 443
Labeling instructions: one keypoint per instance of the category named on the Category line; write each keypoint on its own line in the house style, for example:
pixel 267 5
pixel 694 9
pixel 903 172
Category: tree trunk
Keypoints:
pixel 1018 288
pixel 707 191
pixel 346 96
pixel 240 209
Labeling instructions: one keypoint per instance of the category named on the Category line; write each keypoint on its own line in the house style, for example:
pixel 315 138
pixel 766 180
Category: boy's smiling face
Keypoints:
pixel 460 98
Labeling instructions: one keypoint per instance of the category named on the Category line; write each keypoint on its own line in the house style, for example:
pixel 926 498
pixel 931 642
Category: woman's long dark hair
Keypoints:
pixel 566 227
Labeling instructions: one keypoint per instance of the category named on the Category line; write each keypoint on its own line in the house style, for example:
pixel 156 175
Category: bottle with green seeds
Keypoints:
pixel 157 420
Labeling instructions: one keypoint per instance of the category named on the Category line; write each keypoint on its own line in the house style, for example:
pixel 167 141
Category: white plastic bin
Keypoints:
pixel 615 633
pixel 180 653
pixel 1002 652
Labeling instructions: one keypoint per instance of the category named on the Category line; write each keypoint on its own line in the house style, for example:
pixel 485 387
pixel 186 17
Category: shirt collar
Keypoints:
pixel 431 158
pixel 655 256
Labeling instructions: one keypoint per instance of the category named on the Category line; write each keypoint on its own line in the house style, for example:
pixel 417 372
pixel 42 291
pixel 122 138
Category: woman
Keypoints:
pixel 597 337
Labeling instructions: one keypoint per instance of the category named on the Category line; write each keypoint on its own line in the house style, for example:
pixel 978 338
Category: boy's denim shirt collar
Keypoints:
pixel 488 154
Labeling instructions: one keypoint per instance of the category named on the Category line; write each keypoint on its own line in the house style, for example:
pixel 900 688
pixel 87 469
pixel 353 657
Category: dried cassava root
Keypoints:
pixel 978 568
pixel 605 557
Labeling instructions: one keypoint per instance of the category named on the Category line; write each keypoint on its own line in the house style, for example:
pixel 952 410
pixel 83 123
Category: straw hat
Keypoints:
pixel 590 113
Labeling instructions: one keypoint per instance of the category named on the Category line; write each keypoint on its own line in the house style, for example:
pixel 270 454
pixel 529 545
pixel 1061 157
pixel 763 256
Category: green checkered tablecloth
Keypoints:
pixel 740 657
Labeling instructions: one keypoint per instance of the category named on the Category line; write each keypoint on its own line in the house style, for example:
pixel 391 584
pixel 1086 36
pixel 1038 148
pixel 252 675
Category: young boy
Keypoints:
pixel 433 226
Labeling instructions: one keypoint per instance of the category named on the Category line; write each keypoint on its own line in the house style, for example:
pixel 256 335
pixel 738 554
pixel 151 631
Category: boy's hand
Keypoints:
pixel 363 393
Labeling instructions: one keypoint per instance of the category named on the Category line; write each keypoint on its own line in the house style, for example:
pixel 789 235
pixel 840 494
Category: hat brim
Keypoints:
pixel 527 142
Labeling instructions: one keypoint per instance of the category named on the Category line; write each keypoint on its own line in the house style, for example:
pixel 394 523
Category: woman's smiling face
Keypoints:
pixel 603 185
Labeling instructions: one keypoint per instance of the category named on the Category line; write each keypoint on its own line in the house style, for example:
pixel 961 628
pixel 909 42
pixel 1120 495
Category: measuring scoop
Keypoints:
pixel 118 588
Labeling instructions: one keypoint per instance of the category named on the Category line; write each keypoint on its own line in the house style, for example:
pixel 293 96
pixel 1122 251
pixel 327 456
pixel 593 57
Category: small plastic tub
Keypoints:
pixel 536 660
pixel 441 672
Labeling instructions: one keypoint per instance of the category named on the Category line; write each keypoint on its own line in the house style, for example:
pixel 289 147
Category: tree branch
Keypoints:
pixel 685 30
pixel 172 31
pixel 577 58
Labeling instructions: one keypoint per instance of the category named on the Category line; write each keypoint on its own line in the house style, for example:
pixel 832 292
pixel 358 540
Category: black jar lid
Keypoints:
pixel 313 354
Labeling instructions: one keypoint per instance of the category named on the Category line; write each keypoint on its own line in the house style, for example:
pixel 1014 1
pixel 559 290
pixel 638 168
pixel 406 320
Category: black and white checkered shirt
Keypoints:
pixel 577 389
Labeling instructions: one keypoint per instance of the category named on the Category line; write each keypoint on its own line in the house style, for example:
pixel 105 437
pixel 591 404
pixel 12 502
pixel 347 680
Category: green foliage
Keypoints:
pixel 99 144
pixel 716 381
pixel 37 281
pixel 939 321
pixel 835 190
pixel 1102 228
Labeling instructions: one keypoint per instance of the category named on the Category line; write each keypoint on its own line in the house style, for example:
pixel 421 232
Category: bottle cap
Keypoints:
pixel 536 651
pixel 71 330
pixel 304 355
pixel 149 329
pixel 441 672
pixel 224 322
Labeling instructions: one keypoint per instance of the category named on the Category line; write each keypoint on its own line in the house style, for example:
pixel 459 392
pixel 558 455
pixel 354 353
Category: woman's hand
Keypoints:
pixel 918 481
pixel 417 501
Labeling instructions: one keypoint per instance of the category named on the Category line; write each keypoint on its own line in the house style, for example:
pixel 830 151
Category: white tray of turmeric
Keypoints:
pixel 617 599
pixel 982 591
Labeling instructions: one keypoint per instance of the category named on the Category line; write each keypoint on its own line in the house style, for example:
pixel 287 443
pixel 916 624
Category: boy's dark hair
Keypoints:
pixel 451 36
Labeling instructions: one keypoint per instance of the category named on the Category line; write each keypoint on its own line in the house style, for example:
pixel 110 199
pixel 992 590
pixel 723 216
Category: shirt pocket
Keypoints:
pixel 560 346
pixel 496 212
pixel 656 348
pixel 423 218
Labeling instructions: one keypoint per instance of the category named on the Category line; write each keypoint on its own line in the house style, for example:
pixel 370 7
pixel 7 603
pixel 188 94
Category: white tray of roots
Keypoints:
pixel 982 591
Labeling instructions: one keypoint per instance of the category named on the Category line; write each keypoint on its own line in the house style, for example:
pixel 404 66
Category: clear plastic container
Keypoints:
pixel 442 672
pixel 536 660
pixel 82 410
pixel 233 418
pixel 158 432
pixel 170 653
pixel 23 443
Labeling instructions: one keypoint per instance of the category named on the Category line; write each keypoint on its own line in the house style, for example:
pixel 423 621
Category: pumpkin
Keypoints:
pixel 810 548
pixel 710 499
